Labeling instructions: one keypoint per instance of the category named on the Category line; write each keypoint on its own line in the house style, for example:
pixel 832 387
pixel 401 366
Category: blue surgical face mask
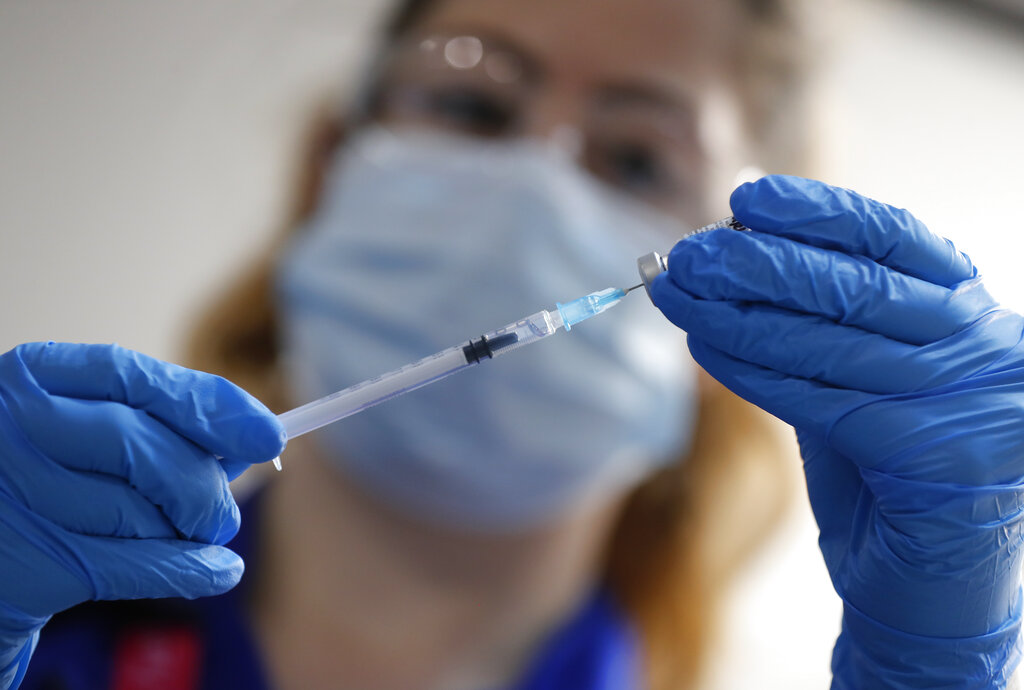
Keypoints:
pixel 422 242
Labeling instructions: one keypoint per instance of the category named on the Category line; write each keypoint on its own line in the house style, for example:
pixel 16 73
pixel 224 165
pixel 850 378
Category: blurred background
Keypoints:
pixel 146 150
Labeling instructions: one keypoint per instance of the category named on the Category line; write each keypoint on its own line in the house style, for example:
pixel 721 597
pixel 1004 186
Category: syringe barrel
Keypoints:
pixel 374 391
pixel 522 332
pixel 363 395
pixel 653 264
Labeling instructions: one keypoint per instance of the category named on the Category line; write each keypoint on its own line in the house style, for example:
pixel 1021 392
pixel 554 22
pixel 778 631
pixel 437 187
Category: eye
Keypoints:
pixel 635 168
pixel 473 111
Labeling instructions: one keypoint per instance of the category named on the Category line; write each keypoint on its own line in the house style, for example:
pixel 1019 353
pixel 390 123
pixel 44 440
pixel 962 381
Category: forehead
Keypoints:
pixel 673 43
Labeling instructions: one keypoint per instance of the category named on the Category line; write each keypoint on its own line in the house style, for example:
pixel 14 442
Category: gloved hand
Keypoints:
pixel 904 380
pixel 109 488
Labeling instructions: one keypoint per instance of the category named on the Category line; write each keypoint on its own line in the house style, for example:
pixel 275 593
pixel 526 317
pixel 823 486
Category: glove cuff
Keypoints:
pixel 12 674
pixel 872 654
pixel 16 630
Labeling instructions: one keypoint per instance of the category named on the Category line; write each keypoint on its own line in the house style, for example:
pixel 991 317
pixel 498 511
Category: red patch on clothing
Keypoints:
pixel 165 658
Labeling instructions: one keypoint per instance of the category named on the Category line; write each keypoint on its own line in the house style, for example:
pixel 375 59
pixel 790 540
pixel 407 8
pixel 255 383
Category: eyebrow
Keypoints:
pixel 646 94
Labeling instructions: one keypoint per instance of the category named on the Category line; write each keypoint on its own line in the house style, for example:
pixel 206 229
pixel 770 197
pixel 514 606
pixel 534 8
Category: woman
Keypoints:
pixel 531 524
pixel 666 551
pixel 663 114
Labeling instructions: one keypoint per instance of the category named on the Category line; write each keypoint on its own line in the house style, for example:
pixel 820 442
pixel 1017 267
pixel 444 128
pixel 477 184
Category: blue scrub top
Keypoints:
pixel 207 644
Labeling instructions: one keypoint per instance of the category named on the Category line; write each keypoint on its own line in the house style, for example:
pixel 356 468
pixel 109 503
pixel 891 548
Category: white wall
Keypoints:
pixel 145 149
pixel 931 110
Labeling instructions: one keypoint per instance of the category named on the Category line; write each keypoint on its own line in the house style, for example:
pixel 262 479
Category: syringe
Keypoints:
pixel 366 394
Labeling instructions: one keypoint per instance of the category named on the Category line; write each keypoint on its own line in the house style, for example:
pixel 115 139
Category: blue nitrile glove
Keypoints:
pixel 905 382
pixel 109 488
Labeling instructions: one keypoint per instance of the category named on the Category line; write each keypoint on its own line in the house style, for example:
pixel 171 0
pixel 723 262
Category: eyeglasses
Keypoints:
pixel 634 138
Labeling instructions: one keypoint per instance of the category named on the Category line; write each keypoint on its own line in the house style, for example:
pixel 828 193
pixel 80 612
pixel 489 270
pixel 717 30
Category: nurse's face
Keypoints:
pixel 641 92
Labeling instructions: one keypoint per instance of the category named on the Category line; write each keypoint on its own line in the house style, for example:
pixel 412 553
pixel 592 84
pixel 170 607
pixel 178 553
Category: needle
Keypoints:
pixel 629 290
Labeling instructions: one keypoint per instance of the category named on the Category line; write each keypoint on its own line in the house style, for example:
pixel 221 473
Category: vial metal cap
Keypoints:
pixel 650 266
